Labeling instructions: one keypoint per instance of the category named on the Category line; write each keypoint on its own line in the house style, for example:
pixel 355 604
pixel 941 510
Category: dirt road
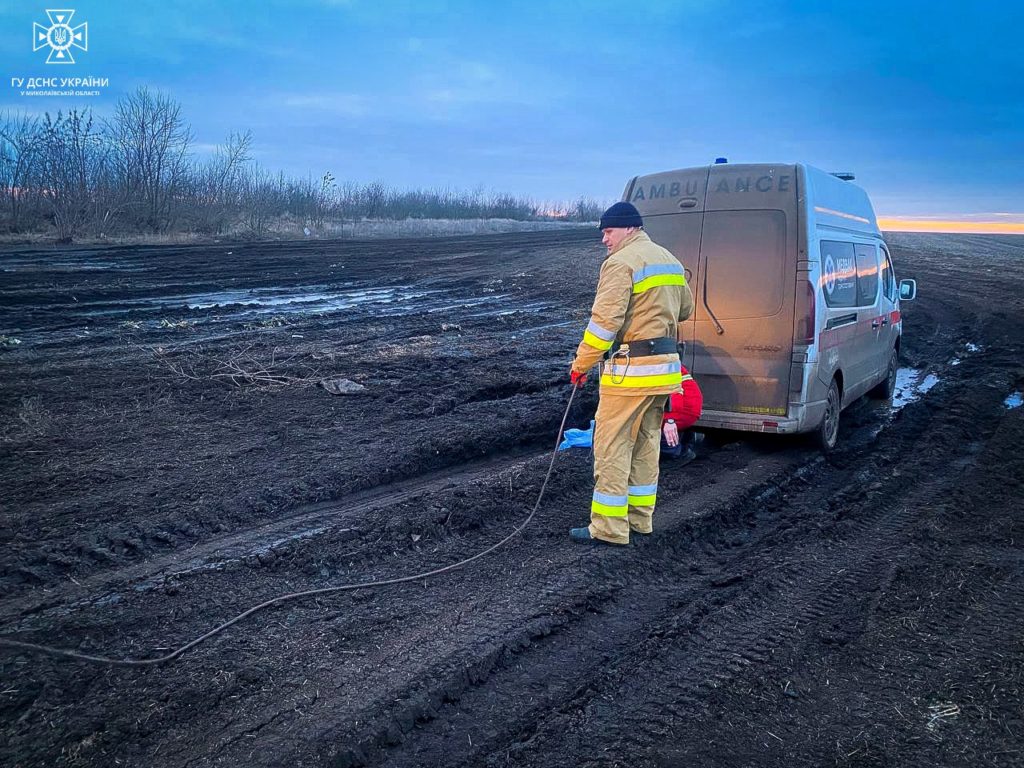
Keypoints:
pixel 167 459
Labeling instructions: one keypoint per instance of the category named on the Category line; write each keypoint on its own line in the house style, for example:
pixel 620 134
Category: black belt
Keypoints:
pixel 663 345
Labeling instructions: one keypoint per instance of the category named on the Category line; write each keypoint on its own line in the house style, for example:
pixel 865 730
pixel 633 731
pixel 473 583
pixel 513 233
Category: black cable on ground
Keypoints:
pixel 21 646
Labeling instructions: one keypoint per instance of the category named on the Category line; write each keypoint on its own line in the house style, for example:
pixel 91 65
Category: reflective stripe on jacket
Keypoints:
pixel 641 294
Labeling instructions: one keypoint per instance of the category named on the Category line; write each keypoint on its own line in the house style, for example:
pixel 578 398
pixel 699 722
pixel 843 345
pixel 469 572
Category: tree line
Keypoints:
pixel 135 173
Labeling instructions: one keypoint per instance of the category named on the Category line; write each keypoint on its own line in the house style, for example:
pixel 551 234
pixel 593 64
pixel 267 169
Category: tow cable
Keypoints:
pixel 21 646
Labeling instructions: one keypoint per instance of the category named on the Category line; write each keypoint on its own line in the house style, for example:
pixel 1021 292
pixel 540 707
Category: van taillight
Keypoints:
pixel 805 310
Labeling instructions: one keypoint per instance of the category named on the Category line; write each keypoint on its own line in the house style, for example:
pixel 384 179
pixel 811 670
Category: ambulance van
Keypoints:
pixel 797 305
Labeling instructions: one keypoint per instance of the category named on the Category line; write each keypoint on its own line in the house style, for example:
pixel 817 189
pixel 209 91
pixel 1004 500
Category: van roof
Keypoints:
pixel 827 201
pixel 837 204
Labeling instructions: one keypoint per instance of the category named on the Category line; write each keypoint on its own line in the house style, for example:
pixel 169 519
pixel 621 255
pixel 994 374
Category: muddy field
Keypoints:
pixel 168 458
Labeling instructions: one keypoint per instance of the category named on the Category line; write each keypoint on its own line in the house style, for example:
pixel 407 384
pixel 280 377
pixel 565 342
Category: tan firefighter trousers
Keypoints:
pixel 627 444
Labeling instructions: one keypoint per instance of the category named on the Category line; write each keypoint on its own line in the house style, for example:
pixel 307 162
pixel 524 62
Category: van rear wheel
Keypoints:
pixel 885 388
pixel 828 432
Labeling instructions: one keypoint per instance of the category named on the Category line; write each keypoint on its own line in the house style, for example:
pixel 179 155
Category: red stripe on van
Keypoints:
pixel 828 339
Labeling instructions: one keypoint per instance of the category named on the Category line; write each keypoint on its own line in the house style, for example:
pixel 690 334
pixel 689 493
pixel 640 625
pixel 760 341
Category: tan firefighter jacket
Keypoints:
pixel 641 294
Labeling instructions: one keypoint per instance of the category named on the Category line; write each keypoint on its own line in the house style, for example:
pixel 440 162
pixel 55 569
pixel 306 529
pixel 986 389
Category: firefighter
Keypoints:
pixel 642 296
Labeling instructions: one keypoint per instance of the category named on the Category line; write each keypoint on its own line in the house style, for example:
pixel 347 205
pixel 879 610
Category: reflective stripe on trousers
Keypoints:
pixel 609 506
pixel 627 444
pixel 642 495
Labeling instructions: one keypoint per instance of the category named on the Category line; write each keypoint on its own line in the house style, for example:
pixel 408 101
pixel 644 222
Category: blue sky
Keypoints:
pixel 922 100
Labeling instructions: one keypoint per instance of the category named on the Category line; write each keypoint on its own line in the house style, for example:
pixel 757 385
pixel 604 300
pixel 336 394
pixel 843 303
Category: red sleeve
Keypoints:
pixel 676 407
pixel 685 407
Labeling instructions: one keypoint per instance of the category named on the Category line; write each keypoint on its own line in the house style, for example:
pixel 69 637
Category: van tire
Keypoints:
pixel 885 389
pixel 828 431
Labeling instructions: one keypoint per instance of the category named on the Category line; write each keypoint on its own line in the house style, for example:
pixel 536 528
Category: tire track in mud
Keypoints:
pixel 719 639
pixel 327 519
pixel 445 665
pixel 551 681
pixel 531 406
pixel 720 532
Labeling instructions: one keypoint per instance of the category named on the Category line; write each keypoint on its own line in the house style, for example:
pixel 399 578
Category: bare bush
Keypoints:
pixel 72 158
pixel 263 197
pixel 19 165
pixel 151 143
pixel 214 190
pixel 586 209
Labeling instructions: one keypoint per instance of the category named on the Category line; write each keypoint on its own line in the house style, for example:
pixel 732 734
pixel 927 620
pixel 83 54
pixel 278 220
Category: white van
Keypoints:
pixel 797 307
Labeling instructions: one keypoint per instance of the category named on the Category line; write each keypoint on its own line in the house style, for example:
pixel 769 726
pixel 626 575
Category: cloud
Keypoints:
pixel 455 87
pixel 340 104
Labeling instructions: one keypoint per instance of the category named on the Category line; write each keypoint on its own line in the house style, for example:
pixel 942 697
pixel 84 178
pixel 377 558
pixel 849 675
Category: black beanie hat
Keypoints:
pixel 621 215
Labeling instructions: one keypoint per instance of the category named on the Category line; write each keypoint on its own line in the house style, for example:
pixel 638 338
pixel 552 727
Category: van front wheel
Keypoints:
pixel 828 432
pixel 887 386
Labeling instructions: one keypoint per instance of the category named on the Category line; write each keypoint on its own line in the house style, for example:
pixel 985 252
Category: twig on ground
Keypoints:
pixel 240 368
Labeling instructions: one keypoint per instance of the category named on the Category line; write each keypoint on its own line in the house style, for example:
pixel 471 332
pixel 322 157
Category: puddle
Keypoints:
pixel 466 303
pixel 1013 400
pixel 910 385
pixel 34 265
pixel 310 301
pixel 530 307
pixel 536 328
pixel 72 266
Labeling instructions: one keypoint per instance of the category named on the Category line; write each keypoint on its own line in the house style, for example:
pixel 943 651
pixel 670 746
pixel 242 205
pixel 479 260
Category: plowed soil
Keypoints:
pixel 168 458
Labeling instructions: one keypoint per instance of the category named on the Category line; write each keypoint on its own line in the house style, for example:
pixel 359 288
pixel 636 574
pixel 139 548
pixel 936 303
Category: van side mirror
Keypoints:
pixel 908 290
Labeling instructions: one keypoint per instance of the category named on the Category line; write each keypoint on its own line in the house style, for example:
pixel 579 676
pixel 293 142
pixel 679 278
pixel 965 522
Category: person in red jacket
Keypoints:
pixel 682 412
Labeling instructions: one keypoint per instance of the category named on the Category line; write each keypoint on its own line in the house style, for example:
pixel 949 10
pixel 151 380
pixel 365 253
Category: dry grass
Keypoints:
pixel 287 228
pixel 30 420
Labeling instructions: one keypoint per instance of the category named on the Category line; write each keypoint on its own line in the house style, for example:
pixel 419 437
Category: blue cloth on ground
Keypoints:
pixel 578 438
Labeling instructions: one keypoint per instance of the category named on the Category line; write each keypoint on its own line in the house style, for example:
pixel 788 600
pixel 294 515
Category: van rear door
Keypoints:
pixel 672 206
pixel 744 287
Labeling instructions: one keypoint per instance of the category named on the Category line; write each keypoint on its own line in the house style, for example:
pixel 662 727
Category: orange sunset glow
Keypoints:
pixel 897 224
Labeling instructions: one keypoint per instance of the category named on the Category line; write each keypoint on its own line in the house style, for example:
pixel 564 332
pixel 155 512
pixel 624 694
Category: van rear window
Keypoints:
pixel 745 253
